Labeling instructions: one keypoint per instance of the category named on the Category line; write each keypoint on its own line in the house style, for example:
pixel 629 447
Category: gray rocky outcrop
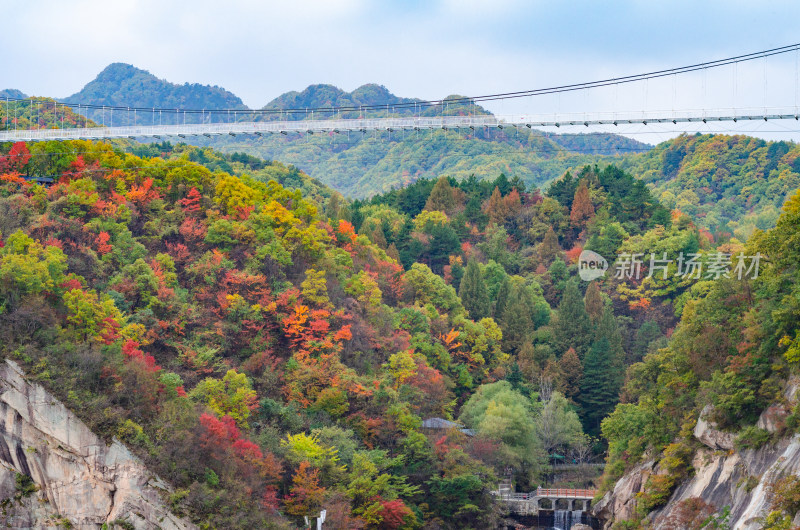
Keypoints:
pixel 620 503
pixel 707 432
pixel 740 480
pixel 81 479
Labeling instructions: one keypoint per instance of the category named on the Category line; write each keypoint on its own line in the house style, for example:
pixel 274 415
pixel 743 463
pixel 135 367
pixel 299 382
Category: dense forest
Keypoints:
pixel 270 347
pixel 734 184
pixel 270 353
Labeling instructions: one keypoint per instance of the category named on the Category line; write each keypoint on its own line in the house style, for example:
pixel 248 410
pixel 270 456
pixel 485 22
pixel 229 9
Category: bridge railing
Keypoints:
pixel 560 493
pixel 565 492
pixel 511 496
pixel 333 126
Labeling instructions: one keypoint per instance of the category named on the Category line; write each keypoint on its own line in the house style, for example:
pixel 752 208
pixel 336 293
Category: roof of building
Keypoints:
pixel 441 423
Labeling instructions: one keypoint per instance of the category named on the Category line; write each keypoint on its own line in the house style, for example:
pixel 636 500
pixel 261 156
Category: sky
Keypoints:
pixel 427 49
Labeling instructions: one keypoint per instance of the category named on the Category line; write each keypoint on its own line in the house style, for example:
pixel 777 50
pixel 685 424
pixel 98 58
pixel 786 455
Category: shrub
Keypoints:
pixel 786 494
pixel 25 486
pixel 132 433
pixel 752 437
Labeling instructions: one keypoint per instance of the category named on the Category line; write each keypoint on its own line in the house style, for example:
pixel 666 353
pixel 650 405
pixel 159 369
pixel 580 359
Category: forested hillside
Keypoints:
pixel 270 355
pixel 733 184
pixel 729 359
pixel 361 165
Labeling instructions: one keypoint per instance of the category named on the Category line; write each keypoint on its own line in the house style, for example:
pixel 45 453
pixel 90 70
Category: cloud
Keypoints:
pixel 427 49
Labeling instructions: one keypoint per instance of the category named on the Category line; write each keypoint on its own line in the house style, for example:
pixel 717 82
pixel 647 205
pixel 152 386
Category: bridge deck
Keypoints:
pixel 333 126
pixel 543 493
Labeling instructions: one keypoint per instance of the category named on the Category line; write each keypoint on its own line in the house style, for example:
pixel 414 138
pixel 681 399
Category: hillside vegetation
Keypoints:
pixel 737 344
pixel 733 184
pixel 270 355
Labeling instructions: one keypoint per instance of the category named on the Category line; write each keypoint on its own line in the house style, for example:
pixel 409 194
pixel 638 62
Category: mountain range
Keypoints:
pixel 356 165
pixel 729 183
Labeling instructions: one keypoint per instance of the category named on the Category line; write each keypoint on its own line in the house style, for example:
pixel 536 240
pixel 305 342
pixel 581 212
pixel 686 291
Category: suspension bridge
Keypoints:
pixel 347 125
pixel 458 113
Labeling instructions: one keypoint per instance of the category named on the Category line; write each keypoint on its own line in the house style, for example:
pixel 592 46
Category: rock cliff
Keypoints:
pixel 723 477
pixel 81 481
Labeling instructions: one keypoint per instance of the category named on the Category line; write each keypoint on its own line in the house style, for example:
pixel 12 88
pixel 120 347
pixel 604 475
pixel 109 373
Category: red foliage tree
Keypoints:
pixel 191 204
pixel 193 230
pixel 582 208
pixel 573 254
pixel 394 514
pixel 16 160
pixel 101 241
pixel 142 194
pixel 132 352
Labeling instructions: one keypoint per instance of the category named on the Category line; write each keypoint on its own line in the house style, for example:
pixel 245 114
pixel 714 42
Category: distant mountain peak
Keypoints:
pixel 115 70
pixel 12 93
pixel 127 85
pixel 325 95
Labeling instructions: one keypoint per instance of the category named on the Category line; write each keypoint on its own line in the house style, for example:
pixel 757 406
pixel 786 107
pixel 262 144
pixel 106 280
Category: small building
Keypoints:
pixel 441 424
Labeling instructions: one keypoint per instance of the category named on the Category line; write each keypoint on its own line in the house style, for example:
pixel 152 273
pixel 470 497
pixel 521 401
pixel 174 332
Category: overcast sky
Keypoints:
pixel 259 49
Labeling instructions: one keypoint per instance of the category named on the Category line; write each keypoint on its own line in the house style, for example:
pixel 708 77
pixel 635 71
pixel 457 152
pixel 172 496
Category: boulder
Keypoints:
pixel 706 431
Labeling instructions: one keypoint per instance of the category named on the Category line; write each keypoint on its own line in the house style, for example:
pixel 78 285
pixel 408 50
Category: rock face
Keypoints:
pixel 80 479
pixel 739 480
pixel 620 503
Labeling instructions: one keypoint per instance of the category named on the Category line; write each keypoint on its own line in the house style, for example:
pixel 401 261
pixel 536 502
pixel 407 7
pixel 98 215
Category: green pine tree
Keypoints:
pixel 502 299
pixel 572 327
pixel 473 293
pixel 516 323
pixel 608 329
pixel 599 388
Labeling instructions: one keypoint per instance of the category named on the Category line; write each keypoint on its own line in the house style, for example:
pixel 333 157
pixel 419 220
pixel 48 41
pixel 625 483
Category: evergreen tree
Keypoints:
pixel 572 373
pixel 473 211
pixel 517 184
pixel 648 333
pixel 457 274
pixel 593 302
pixel 563 189
pixel 377 237
pixel 514 377
pixel 473 293
pixel 549 249
pixel 332 207
pixel 608 329
pixel 517 324
pixel 441 197
pixel 444 242
pixel 582 209
pixel 599 389
pixel 502 299
pixel 572 327
pixel 503 184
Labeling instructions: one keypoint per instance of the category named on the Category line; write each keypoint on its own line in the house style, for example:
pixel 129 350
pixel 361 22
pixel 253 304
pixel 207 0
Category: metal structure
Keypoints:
pixel 344 125
pixel 545 499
